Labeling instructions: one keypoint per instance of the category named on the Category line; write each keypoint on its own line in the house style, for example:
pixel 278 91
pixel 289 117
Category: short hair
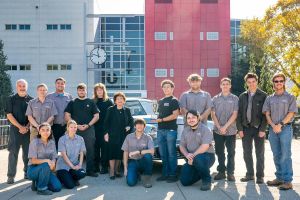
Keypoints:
pixel 139 121
pixel 250 75
pixel 41 85
pixel 43 125
pixel 193 112
pixel 225 79
pixel 60 79
pixel 81 86
pixel 194 77
pixel 22 81
pixel 279 74
pixel 119 94
pixel 165 82
pixel 71 121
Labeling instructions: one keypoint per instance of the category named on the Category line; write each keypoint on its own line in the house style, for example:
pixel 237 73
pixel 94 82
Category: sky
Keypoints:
pixel 240 9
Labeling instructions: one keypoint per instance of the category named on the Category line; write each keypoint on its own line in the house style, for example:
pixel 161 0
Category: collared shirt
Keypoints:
pixel 39 150
pixel 41 112
pixel 72 147
pixel 193 139
pixel 61 101
pixel 224 106
pixel 17 106
pixel 280 105
pixel 200 101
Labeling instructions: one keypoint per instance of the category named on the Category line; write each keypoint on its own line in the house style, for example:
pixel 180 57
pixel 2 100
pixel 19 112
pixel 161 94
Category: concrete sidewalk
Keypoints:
pixel 104 188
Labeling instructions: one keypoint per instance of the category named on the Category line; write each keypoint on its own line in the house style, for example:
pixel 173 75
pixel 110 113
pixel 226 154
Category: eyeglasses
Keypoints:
pixel 281 81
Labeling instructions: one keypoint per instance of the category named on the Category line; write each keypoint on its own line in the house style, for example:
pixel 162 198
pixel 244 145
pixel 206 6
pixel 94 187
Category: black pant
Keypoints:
pixel 68 178
pixel 16 140
pixel 251 134
pixel 101 150
pixel 58 131
pixel 220 142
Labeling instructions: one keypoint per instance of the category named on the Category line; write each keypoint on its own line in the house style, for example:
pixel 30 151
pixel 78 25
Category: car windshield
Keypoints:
pixel 140 107
pixel 148 106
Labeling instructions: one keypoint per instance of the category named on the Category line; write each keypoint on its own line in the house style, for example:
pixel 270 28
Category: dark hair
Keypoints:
pixel 193 112
pixel 81 86
pixel 60 79
pixel 250 75
pixel 140 121
pixel 165 82
pixel 119 94
pixel 41 126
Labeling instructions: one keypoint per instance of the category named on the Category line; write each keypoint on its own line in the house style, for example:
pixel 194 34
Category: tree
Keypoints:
pixel 277 38
pixel 5 86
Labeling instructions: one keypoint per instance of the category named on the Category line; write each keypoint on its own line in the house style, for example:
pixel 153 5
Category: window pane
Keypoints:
pixel 132 34
pixel 132 26
pixel 115 34
pixel 113 26
pixel 113 20
pixel 132 19
pixel 68 26
pixel 55 27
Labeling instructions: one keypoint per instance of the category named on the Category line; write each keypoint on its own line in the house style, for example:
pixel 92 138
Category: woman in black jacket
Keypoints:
pixel 118 124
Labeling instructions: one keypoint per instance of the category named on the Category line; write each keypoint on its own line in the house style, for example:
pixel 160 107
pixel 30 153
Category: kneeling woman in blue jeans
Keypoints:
pixel 42 157
pixel 137 157
pixel 69 164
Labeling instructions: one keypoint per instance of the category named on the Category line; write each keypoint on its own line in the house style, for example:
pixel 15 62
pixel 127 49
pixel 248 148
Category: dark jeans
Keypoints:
pixel 17 140
pixel 89 140
pixel 44 178
pixel 220 142
pixel 190 174
pixel 101 150
pixel 58 131
pixel 143 165
pixel 251 134
pixel 68 177
pixel 167 150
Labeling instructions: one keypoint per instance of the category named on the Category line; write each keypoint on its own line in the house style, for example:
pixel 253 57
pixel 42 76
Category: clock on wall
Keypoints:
pixel 98 56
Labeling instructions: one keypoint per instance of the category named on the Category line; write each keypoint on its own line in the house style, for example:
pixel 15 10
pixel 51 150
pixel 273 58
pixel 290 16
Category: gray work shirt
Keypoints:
pixel 41 112
pixel 279 106
pixel 132 143
pixel 200 101
pixel 72 147
pixel 61 101
pixel 39 150
pixel 224 106
pixel 193 139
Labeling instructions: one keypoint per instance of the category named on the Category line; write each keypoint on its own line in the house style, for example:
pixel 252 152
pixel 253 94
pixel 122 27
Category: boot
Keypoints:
pixel 146 180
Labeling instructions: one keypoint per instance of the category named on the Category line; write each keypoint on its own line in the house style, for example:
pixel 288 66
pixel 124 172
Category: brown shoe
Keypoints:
pixel 247 178
pixel 275 182
pixel 146 181
pixel 230 177
pixel 285 186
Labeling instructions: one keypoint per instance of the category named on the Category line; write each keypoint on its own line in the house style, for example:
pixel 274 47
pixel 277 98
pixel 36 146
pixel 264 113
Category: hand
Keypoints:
pixel 77 167
pixel 241 134
pixel 125 171
pixel 23 129
pixel 200 118
pixel 223 130
pixel 277 128
pixel 85 127
pixel 190 156
pixel 106 137
pixel 190 162
pixel 261 134
pixel 127 128
pixel 80 127
pixel 132 154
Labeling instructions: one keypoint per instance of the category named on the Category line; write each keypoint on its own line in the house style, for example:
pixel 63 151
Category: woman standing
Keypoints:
pixel 42 157
pixel 118 124
pixel 101 146
pixel 69 164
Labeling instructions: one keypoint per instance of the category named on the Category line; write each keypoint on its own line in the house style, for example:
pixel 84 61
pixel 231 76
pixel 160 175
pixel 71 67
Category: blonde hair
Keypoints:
pixel 101 86
pixel 71 122
pixel 194 77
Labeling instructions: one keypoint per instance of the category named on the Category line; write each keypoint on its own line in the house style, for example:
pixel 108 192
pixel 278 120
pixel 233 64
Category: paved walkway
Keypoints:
pixel 103 188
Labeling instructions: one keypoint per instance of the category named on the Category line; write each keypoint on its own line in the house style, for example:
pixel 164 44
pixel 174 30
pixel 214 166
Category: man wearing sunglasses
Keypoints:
pixel 280 109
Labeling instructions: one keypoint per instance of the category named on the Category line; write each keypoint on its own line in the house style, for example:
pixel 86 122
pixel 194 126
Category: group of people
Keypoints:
pixel 106 134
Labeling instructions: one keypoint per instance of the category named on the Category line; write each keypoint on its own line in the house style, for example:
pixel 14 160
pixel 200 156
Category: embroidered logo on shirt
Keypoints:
pixel 166 104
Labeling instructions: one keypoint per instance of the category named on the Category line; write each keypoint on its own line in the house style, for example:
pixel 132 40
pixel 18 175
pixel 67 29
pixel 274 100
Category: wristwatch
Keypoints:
pixel 282 124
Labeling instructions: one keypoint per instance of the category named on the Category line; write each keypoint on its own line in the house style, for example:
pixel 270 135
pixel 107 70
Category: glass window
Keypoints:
pixel 10 26
pixel 113 20
pixel 113 26
pixel 65 67
pixel 160 35
pixel 11 67
pixel 25 67
pixel 132 34
pixel 115 34
pixel 133 42
pixel 132 19
pixel 132 27
pixel 52 67
pixel 52 26
pixel 24 26
pixel 212 36
pixel 135 108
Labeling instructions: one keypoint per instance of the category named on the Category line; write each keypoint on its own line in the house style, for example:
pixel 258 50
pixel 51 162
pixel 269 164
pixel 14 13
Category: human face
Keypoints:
pixel 42 92
pixel 60 86
pixel 81 92
pixel 195 85
pixel 225 86
pixel 139 128
pixel 279 83
pixel 99 92
pixel 21 88
pixel 72 129
pixel 251 84
pixel 192 120
pixel 45 132
pixel 167 89
pixel 120 101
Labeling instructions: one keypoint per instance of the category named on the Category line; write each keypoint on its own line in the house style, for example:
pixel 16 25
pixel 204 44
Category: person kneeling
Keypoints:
pixel 42 157
pixel 137 157
pixel 196 146
pixel 69 163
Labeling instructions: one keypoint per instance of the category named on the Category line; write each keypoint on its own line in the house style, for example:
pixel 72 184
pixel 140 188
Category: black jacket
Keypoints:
pixel 258 119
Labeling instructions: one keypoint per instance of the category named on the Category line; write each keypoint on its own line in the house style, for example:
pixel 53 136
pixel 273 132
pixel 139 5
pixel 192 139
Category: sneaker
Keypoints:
pixel 92 174
pixel 172 179
pixel 259 180
pixel 44 192
pixel 285 186
pixel 77 183
pixel 275 182
pixel 162 178
pixel 33 186
pixel 230 177
pixel 247 178
pixel 10 180
pixel 146 180
pixel 220 176
pixel 25 176
pixel 205 186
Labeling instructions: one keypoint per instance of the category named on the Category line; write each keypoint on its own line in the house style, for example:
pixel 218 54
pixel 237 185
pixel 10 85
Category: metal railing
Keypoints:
pixel 4 133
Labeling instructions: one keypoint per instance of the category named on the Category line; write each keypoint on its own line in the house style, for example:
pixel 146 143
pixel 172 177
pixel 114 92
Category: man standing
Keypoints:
pixel 196 99
pixel 168 111
pixel 85 112
pixel 251 125
pixel 61 100
pixel 224 113
pixel 280 109
pixel 40 110
pixel 16 106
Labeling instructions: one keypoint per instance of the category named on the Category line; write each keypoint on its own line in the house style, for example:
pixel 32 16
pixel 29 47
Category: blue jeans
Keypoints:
pixel 143 165
pixel 44 178
pixel 167 150
pixel 190 174
pixel 281 147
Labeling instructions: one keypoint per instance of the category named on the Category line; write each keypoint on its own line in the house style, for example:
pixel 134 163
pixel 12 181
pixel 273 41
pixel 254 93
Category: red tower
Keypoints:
pixel 184 37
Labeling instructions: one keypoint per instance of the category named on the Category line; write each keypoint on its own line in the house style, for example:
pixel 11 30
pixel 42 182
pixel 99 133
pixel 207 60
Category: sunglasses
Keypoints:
pixel 281 81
